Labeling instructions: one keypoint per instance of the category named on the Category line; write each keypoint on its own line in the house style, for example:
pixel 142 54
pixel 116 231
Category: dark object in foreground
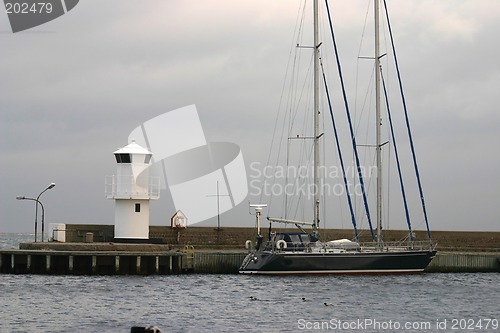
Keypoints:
pixel 149 329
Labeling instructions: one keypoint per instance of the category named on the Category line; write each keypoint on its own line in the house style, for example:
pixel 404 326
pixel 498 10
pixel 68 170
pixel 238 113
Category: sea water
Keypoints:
pixel 241 303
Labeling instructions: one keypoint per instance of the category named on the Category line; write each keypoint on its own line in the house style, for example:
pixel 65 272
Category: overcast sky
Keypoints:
pixel 73 89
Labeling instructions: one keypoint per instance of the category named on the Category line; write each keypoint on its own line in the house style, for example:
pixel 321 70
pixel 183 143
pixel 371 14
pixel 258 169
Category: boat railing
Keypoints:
pixel 308 247
pixel 288 246
pixel 399 246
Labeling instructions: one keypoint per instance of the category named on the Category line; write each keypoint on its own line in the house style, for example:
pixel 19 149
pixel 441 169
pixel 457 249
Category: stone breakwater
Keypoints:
pixel 92 250
pixel 235 237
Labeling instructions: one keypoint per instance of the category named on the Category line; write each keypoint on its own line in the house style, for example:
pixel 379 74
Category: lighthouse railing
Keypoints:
pixel 129 187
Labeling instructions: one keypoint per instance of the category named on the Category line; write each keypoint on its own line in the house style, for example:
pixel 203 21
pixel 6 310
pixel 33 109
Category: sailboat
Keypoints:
pixel 304 252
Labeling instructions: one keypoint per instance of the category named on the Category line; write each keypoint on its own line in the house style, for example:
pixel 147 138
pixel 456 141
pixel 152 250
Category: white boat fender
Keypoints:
pixel 248 245
pixel 281 244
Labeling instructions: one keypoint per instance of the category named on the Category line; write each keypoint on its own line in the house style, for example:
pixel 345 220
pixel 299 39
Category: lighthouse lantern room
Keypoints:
pixel 132 188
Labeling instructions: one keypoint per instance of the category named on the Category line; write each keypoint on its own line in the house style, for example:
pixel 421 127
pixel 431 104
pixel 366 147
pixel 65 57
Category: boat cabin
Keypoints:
pixel 290 241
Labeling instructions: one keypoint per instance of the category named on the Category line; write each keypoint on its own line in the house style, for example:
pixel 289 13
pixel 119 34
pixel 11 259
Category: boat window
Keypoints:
pixel 305 238
pixel 295 239
pixel 282 236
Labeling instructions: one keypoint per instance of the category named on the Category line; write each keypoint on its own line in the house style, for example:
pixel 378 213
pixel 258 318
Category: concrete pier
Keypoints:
pixel 217 262
pixel 449 262
pixel 96 261
pixel 208 250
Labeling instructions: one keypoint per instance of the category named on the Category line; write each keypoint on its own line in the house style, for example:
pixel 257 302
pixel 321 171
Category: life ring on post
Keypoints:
pixel 281 244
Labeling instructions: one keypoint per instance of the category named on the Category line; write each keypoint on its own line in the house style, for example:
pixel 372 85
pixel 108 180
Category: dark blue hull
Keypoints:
pixel 336 263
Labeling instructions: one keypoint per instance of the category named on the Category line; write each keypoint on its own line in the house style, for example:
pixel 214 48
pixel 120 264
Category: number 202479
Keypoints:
pixel 26 8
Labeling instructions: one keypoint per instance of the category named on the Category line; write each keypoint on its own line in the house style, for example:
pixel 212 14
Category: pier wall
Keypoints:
pixel 235 237
pixel 89 262
pixel 209 250
pixel 447 262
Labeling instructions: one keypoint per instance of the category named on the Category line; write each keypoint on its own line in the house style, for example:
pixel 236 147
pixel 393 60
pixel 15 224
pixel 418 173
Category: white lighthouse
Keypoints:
pixel 132 188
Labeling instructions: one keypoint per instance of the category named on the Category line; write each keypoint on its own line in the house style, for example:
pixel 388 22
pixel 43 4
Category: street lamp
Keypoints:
pixel 51 186
pixel 36 209
pixel 36 214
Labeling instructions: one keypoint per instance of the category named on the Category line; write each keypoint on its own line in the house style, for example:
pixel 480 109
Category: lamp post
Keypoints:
pixel 51 186
pixel 36 214
pixel 36 209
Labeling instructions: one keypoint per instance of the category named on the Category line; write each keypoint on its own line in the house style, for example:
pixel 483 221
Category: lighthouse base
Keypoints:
pixel 132 219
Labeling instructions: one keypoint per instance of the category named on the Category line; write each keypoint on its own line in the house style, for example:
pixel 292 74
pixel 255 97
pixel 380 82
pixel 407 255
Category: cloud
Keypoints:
pixel 73 89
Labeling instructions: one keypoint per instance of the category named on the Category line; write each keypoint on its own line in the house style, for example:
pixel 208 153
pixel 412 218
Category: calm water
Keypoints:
pixel 222 303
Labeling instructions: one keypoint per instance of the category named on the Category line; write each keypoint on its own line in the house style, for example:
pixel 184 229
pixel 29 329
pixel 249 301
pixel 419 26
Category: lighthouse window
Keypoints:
pixel 147 159
pixel 123 158
pixel 137 207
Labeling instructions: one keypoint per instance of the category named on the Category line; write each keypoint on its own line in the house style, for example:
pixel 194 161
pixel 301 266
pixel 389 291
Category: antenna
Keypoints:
pixel 258 207
pixel 258 211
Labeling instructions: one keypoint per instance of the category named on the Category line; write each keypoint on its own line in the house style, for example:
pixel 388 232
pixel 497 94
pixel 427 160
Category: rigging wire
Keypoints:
pixel 353 138
pixel 297 32
pixel 348 195
pixel 356 84
pixel 304 156
pixel 359 57
pixel 401 183
pixel 415 165
pixel 294 102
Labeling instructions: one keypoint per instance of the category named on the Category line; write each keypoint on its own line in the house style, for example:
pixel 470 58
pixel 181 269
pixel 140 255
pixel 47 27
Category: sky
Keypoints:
pixel 73 89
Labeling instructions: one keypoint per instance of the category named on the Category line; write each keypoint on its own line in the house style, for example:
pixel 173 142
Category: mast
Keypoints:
pixel 378 124
pixel 316 120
